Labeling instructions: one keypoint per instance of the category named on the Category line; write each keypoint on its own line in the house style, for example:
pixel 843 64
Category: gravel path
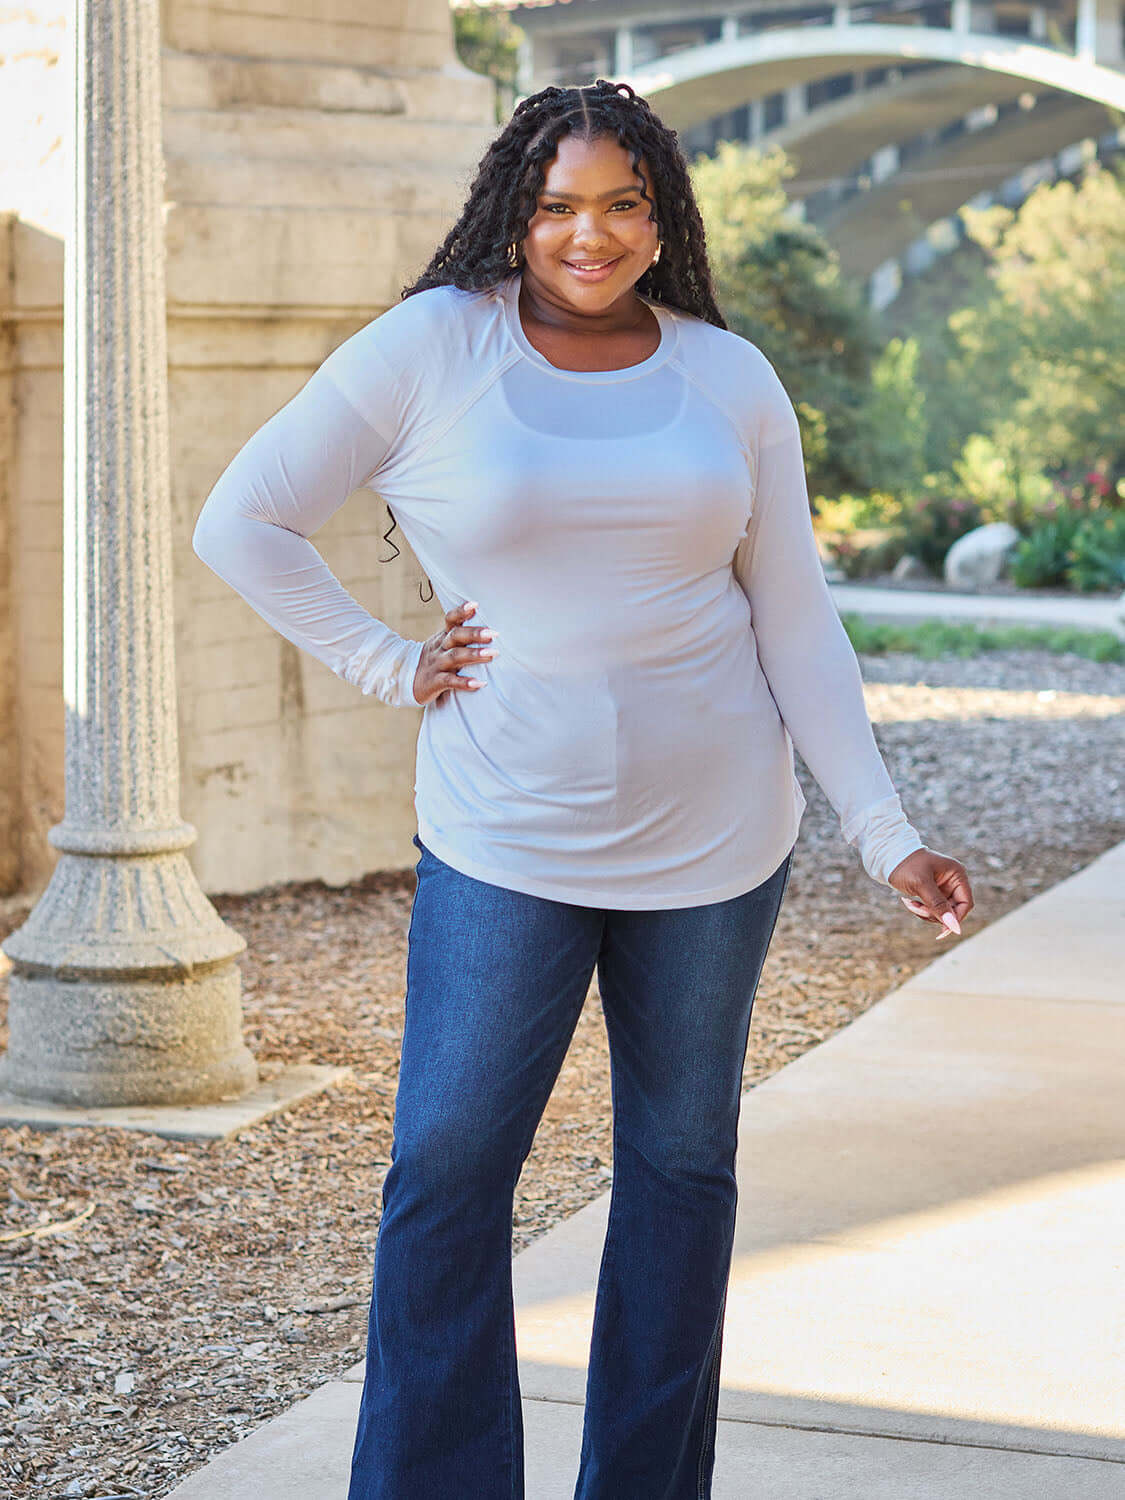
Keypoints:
pixel 210 1286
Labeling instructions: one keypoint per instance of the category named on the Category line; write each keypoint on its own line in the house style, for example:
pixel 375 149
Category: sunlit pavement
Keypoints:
pixel 914 605
pixel 927 1299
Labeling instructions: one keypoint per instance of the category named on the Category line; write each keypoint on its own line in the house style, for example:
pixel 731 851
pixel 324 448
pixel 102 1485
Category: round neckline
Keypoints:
pixel 510 291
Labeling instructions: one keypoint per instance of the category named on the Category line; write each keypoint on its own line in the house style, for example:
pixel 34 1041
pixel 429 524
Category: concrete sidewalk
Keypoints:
pixel 928 1293
pixel 912 605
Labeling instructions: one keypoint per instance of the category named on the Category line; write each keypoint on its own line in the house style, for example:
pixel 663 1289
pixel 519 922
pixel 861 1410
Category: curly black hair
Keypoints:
pixel 504 196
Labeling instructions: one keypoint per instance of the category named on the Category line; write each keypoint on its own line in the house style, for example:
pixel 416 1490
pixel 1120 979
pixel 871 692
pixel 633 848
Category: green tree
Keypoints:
pixel 1039 358
pixel 487 41
pixel 780 286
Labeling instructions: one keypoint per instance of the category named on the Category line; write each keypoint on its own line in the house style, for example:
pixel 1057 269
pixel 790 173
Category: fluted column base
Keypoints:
pixel 84 1042
pixel 124 989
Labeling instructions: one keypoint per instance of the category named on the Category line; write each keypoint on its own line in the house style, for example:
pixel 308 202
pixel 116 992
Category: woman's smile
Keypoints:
pixel 592 270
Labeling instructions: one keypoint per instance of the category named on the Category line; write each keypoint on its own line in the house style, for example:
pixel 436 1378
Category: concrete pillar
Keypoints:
pixel 961 16
pixel 796 102
pixel 1098 32
pixel 1037 23
pixel 728 30
pixel 884 163
pixel 10 729
pixel 623 51
pixel 123 987
pixel 525 66
pixel 841 15
pixel 757 119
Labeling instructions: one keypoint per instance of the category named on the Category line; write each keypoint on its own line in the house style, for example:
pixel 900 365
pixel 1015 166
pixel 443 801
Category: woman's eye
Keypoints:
pixel 621 203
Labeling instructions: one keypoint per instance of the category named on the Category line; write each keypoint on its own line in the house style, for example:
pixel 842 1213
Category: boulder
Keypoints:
pixel 977 559
pixel 909 566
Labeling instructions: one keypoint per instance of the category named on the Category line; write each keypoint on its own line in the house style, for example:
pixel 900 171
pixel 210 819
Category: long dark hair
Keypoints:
pixel 505 193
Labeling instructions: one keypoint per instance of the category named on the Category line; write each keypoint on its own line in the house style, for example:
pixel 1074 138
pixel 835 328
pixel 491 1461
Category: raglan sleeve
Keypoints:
pixel 809 662
pixel 285 482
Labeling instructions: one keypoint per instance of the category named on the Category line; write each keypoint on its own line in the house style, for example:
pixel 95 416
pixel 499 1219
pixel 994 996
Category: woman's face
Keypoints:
pixel 590 212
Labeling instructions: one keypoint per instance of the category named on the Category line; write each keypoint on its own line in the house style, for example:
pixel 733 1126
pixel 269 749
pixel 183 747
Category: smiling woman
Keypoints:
pixel 606 487
pixel 583 253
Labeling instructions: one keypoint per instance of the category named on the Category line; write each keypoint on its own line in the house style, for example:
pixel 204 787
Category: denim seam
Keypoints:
pixel 712 1397
pixel 712 1404
pixel 512 1372
pixel 608 1259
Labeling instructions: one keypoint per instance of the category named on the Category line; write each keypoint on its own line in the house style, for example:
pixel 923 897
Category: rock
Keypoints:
pixel 909 566
pixel 977 559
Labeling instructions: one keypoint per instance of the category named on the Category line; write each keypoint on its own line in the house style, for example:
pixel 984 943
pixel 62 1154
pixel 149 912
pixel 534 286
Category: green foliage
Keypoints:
pixel 780 286
pixel 1078 549
pixel 1041 558
pixel 1034 366
pixel 487 41
pixel 1001 485
pixel 891 435
pixel 930 522
pixel 934 638
pixel 1003 390
pixel 1098 553
pixel 848 512
pixel 864 556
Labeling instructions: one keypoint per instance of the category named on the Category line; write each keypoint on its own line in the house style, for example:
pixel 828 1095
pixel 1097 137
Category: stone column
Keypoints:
pixel 622 52
pixel 1098 32
pixel 796 102
pixel 124 988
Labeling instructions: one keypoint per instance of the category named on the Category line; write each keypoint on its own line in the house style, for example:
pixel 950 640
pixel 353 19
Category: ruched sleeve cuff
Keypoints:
pixel 387 669
pixel 882 837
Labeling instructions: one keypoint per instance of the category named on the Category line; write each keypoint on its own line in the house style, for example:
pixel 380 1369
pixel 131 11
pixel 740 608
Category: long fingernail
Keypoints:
pixel 951 922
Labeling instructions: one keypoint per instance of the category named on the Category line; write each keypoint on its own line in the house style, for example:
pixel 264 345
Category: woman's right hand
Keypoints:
pixel 448 649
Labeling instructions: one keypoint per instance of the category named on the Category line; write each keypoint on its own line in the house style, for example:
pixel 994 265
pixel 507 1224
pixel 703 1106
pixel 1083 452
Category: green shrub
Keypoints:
pixel 935 638
pixel 1097 558
pixel 929 524
pixel 1001 487
pixel 865 553
pixel 1039 560
pixel 1075 548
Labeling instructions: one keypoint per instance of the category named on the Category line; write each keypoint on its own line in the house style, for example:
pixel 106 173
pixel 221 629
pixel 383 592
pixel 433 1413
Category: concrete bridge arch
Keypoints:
pixel 699 83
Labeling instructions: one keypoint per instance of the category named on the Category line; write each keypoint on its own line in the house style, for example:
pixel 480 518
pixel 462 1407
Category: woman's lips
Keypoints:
pixel 599 274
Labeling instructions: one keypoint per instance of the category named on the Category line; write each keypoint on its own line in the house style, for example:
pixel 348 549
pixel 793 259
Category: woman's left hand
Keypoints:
pixel 935 887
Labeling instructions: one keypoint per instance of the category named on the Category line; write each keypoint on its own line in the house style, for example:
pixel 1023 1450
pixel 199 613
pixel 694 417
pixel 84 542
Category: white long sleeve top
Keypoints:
pixel 641 542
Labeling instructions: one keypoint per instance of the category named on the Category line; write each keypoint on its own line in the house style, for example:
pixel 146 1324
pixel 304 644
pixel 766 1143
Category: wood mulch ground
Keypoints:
pixel 206 1287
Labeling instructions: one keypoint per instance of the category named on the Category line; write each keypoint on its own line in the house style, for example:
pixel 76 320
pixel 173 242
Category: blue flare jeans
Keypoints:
pixel 496 980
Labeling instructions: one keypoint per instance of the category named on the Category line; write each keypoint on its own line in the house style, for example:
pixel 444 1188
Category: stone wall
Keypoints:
pixel 314 158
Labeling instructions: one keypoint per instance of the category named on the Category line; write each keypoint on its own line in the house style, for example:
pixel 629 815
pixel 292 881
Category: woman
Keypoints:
pixel 606 487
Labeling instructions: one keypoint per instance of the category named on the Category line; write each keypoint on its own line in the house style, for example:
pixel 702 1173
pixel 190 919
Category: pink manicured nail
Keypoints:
pixel 951 922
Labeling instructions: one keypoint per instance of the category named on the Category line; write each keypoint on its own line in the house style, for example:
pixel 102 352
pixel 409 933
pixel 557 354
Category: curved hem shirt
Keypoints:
pixel 641 543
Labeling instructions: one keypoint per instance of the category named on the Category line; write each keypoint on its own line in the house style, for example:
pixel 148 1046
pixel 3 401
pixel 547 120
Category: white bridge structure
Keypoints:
pixel 896 112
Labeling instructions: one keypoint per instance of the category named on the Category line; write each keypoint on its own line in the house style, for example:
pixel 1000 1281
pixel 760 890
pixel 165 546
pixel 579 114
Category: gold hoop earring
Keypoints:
pixel 656 257
pixel 513 254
